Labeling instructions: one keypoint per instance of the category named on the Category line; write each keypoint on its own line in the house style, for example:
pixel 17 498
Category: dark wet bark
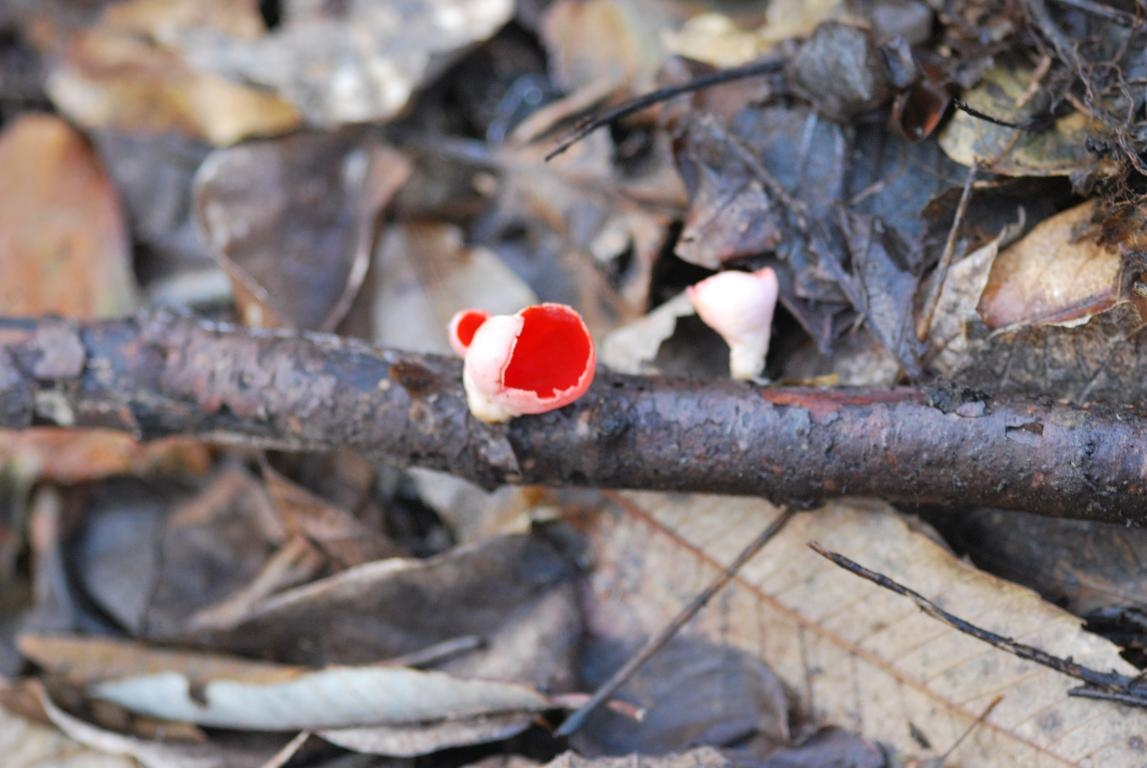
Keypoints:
pixel 161 374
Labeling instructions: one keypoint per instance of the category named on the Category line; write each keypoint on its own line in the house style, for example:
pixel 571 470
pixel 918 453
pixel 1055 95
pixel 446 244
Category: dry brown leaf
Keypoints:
pixel 1057 274
pixel 152 555
pixel 515 592
pixel 352 62
pixel 63 245
pixel 27 745
pixel 164 19
pixel 576 32
pixel 119 74
pixel 68 456
pixel 957 335
pixel 334 530
pixel 1096 361
pixel 859 656
pixel 1005 94
pixel 292 221
pixel 89 660
pixel 422 739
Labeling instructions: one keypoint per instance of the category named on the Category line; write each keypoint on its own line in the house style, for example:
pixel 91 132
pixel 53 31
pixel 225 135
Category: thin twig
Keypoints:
pixel 964 106
pixel 924 324
pixel 1127 690
pixel 752 69
pixel 577 719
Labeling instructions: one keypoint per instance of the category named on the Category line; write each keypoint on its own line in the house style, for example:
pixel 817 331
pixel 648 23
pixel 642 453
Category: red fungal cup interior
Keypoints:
pixel 551 353
pixel 468 325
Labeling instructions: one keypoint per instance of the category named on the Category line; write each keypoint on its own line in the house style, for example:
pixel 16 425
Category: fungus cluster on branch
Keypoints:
pixel 542 358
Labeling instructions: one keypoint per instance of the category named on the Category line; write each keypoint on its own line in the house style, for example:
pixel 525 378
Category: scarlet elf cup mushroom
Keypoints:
pixel 739 306
pixel 537 360
pixel 463 326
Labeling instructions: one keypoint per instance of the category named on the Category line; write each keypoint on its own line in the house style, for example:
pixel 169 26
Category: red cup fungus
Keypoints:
pixel 739 306
pixel 463 326
pixel 538 360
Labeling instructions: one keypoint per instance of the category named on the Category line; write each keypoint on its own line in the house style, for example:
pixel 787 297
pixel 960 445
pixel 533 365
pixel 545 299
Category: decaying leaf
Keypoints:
pixel 121 73
pixel 153 174
pixel 237 694
pixel 514 592
pixel 731 215
pixel 1057 274
pixel 633 347
pixel 806 169
pixel 575 32
pixel 64 248
pixel 835 48
pixel 690 693
pixel 1098 360
pixel 1082 566
pixel 152 557
pixel 29 745
pixel 336 697
pixel 596 225
pixel 419 739
pixel 858 656
pixel 719 40
pixel 337 532
pixel 61 456
pixel 292 221
pixel 1007 94
pixel 352 62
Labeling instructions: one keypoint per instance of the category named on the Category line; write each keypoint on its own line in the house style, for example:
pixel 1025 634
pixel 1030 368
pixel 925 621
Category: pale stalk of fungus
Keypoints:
pixel 739 306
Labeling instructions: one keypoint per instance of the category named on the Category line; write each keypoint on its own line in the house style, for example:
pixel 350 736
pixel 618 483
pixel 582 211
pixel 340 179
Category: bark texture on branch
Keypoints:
pixel 160 373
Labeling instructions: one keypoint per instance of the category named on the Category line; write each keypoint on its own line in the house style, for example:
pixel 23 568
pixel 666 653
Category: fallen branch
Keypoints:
pixel 160 374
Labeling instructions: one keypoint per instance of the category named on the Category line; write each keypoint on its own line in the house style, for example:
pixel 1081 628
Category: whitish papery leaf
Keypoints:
pixel 338 697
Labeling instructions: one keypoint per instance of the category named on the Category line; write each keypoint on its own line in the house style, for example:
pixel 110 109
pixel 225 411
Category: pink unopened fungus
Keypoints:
pixel 739 306
pixel 463 326
pixel 538 360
